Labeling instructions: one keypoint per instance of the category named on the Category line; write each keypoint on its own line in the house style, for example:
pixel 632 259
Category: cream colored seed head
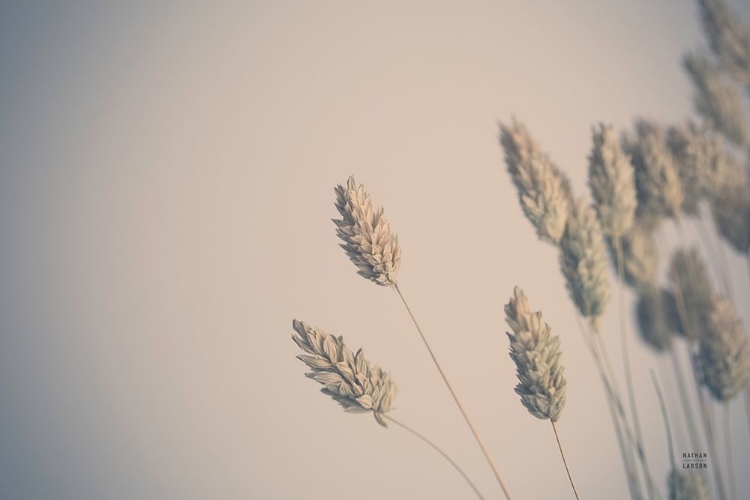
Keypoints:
pixel 367 237
pixel 348 378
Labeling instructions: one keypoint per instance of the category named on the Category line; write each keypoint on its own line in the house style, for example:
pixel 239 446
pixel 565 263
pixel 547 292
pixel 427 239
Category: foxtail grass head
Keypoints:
pixel 543 191
pixel 639 254
pixel 348 378
pixel 693 292
pixel 536 353
pixel 724 353
pixel 652 313
pixel 612 183
pixel 583 262
pixel 731 212
pixel 367 237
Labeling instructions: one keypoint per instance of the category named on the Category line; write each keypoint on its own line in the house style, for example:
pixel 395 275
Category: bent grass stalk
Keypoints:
pixel 440 451
pixel 455 397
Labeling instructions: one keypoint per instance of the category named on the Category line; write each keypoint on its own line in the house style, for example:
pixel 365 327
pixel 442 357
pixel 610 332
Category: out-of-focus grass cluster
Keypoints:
pixel 647 182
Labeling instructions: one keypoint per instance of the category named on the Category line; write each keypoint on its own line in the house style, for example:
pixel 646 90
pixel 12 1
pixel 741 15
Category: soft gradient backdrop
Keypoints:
pixel 166 190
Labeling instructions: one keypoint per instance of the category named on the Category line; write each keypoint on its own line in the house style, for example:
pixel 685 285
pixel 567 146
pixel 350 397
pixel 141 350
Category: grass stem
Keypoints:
pixel 440 451
pixel 565 462
pixel 455 397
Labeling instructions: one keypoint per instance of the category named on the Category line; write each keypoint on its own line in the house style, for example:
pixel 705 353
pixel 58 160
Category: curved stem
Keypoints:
pixel 565 462
pixel 436 448
pixel 728 451
pixel 455 397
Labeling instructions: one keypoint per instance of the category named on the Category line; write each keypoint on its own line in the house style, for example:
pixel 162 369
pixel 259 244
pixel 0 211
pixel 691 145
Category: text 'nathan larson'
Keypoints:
pixel 695 460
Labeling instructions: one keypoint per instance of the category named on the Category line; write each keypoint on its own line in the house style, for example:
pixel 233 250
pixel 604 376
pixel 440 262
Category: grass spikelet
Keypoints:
pixel 640 256
pixel 348 378
pixel 700 158
pixel 653 320
pixel 543 191
pixel 731 212
pixel 692 285
pixel 583 262
pixel 367 237
pixel 612 183
pixel 724 353
pixel 541 384
pixel 717 100
pixel 656 178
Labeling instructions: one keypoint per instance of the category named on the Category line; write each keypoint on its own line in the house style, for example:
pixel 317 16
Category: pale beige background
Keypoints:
pixel 166 190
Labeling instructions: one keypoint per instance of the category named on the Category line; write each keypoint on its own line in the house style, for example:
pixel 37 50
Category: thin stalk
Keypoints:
pixel 626 364
pixel 679 433
pixel 706 239
pixel 565 462
pixel 725 263
pixel 662 242
pixel 705 417
pixel 608 366
pixel 682 390
pixel 711 441
pixel 747 388
pixel 625 451
pixel 615 394
pixel 665 416
pixel 442 453
pixel 728 451
pixel 722 260
pixel 455 397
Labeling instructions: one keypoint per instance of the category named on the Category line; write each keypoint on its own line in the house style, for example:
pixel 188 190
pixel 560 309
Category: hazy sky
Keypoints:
pixel 166 190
